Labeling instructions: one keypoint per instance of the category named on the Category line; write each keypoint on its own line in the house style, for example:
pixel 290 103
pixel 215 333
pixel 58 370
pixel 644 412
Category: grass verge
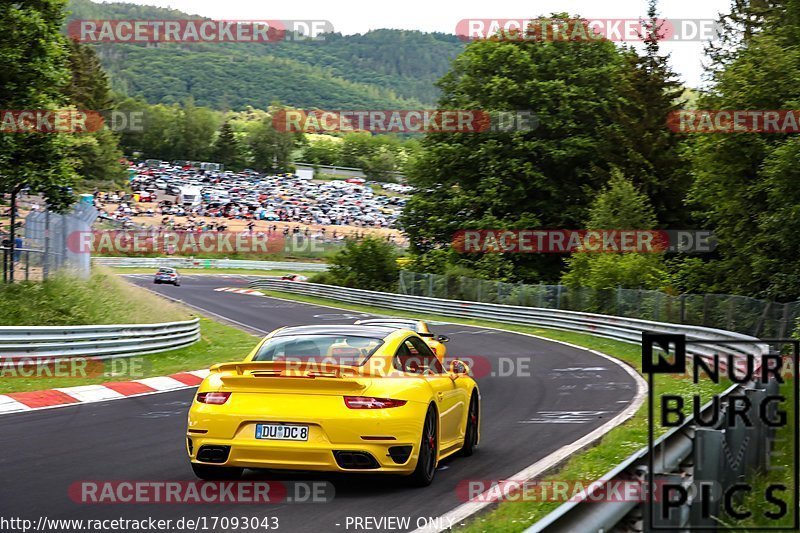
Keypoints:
pixel 68 301
pixel 780 473
pixel 218 343
pixel 104 298
pixel 587 465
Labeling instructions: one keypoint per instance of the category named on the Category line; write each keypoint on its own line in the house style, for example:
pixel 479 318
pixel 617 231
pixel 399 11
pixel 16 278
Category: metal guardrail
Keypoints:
pixel 189 263
pixel 611 327
pixel 98 342
pixel 686 454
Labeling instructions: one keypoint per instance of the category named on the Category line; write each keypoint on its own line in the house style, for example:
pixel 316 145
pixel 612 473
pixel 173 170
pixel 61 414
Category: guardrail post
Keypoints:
pixel 736 440
pixel 677 517
pixel 708 467
pixel 756 451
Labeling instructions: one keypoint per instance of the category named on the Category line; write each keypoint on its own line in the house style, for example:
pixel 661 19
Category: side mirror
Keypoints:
pixel 459 368
pixel 443 338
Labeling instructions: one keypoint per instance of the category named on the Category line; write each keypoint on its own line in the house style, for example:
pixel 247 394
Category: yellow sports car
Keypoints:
pixel 334 398
pixel 436 342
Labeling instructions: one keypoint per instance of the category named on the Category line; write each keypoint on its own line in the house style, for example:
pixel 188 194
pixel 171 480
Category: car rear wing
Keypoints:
pixel 289 376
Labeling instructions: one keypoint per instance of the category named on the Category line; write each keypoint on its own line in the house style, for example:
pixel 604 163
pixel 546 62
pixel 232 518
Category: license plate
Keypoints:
pixel 281 432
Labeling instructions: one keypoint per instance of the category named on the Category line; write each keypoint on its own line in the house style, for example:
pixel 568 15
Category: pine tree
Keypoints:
pixel 619 206
pixel 89 87
pixel 745 187
pixel 96 156
pixel 226 149
pixel 652 153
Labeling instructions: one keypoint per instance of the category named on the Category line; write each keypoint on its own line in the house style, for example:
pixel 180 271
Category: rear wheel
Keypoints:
pixel 216 473
pixel 428 450
pixel 471 434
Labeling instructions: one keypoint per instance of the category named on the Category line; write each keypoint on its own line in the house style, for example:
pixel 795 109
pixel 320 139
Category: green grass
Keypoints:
pixel 218 343
pixel 104 298
pixel 68 301
pixel 782 463
pixel 587 465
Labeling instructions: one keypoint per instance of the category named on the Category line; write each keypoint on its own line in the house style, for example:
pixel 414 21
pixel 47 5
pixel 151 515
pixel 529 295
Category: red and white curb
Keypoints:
pixel 250 292
pixel 16 402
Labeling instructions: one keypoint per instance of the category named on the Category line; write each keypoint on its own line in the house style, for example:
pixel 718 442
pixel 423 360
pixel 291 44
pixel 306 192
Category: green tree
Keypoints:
pixel 95 156
pixel 744 189
pixel 370 264
pixel 271 150
pixel 227 149
pixel 322 152
pixel 619 206
pixel 520 179
pixel 650 153
pixel 194 135
pixel 380 165
pixel 89 86
pixel 33 74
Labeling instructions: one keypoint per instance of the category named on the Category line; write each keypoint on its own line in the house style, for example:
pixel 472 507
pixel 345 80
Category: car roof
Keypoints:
pixel 346 329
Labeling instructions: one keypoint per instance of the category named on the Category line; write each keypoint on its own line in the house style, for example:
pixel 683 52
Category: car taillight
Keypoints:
pixel 213 398
pixel 363 402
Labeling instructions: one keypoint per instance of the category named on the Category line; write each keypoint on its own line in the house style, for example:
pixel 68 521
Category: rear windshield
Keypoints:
pixel 165 271
pixel 349 350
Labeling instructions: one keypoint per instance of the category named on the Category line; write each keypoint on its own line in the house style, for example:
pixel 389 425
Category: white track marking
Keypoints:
pixel 91 393
pixel 162 383
pixel 9 405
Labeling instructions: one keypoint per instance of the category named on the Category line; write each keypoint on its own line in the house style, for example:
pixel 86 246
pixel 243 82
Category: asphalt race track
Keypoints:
pixel 563 394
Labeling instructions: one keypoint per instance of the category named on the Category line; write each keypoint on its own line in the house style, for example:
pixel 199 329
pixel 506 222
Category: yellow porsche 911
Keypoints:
pixel 344 398
pixel 435 342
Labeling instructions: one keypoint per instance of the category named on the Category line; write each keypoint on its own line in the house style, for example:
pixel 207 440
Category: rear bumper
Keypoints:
pixel 367 457
pixel 367 441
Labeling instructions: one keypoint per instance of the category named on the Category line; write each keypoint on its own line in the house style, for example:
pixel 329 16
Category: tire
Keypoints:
pixel 216 473
pixel 428 451
pixel 177 284
pixel 471 433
